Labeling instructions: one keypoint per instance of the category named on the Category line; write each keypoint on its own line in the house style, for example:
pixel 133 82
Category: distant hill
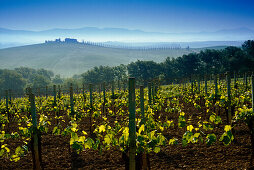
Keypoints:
pixel 10 37
pixel 68 59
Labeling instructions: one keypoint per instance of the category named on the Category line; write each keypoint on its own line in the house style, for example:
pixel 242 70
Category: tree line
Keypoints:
pixel 209 61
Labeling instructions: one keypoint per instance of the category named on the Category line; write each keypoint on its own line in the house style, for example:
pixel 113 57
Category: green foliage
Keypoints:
pixel 10 79
pixel 227 137
pixel 210 139
pixel 144 70
pixel 101 74
pixel 181 120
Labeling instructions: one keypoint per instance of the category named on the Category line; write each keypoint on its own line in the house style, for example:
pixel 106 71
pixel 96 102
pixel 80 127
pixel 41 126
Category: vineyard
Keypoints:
pixel 198 123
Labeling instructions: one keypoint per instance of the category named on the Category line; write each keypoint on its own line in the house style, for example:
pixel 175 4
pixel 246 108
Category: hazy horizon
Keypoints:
pixel 125 21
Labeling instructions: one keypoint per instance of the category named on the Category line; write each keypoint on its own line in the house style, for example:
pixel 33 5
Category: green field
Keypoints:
pixel 69 59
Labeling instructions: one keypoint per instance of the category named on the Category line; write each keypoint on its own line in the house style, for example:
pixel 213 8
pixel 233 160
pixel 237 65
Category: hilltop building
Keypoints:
pixel 70 40
pixel 66 40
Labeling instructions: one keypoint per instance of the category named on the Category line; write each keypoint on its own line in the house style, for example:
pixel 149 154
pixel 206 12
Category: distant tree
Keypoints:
pixel 98 75
pixel 235 59
pixel 144 70
pixel 248 47
pixel 39 81
pixel 27 73
pixel 46 73
pixel 190 64
pixel 10 79
pixel 74 82
pixel 168 69
pixel 211 61
pixel 57 79
pixel 120 72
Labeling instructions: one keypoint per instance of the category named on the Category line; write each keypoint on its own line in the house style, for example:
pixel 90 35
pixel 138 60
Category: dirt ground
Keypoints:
pixel 56 152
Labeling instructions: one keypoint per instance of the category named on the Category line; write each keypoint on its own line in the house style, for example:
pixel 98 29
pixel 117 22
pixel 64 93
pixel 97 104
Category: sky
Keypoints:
pixel 148 15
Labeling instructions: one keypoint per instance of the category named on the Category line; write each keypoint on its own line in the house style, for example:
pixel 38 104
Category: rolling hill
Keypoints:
pixel 11 38
pixel 68 59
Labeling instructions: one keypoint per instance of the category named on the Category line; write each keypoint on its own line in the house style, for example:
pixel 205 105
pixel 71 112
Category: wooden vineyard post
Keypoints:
pixel 124 85
pixel 38 92
pixel 252 90
pixel 10 96
pixel 142 104
pixel 205 84
pixel 91 95
pixel 132 125
pixel 83 92
pixel 229 114
pixel 152 88
pixel 104 97
pixel 6 100
pixel 91 106
pixel 216 87
pixel 100 91
pixel 191 85
pixel 234 80
pixel 71 100
pixel 113 91
pixel 198 85
pixel 249 79
pixel 156 90
pixel 119 86
pixel 54 94
pixel 246 81
pixel 113 96
pixel 36 151
pixel 77 89
pixel 59 91
pixel 46 92
pixel 149 94
pixel 186 83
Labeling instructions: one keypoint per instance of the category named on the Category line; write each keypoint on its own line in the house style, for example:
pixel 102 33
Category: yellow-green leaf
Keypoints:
pixel 102 128
pixel 227 128
pixel 157 149
pixel 190 128
pixel 141 129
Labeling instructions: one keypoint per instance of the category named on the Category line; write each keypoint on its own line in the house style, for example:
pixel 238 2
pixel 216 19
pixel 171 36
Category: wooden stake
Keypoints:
pixel 35 136
pixel 229 116
pixel 142 104
pixel 59 91
pixel 113 96
pixel 91 106
pixel 132 124
pixel 46 91
pixel 149 94
pixel 252 89
pixel 71 100
pixel 83 92
pixel 205 84
pixel 54 94
pixel 10 96
pixel 6 100
pixel 216 87
pixel 104 97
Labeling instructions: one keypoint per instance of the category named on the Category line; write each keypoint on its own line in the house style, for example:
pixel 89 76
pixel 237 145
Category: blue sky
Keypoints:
pixel 147 15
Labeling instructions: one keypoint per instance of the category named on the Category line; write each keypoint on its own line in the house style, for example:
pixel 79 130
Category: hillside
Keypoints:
pixel 69 59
